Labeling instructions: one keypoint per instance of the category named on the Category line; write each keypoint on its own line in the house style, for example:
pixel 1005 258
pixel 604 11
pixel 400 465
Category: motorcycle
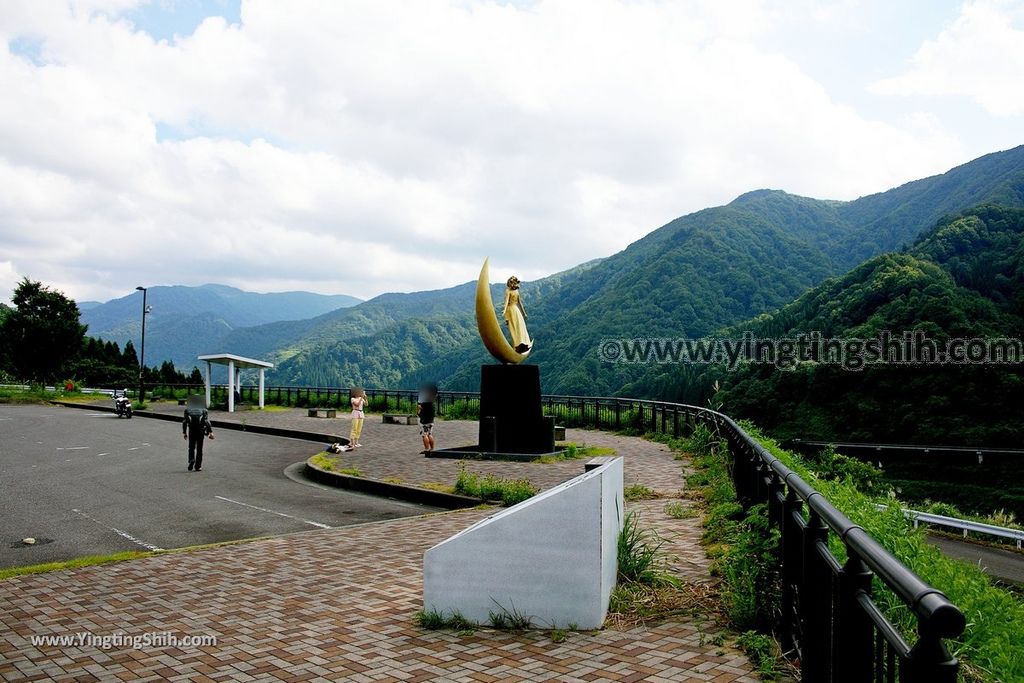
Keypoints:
pixel 122 405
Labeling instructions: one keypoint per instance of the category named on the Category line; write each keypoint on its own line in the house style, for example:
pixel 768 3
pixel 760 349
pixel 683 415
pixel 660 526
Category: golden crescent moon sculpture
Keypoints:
pixel 487 322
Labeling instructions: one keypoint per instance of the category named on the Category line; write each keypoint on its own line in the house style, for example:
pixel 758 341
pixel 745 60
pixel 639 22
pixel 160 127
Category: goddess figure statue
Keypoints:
pixel 515 317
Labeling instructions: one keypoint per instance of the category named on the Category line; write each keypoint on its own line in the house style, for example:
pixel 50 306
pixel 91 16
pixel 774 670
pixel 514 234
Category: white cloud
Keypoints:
pixel 9 279
pixel 391 145
pixel 979 56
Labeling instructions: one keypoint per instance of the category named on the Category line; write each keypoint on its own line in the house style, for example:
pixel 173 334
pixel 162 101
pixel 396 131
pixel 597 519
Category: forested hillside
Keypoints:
pixel 963 279
pixel 700 273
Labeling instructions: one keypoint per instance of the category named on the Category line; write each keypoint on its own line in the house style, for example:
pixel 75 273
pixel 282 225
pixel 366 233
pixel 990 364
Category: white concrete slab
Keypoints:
pixel 552 558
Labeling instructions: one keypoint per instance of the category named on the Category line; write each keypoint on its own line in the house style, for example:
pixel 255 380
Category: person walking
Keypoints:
pixel 425 411
pixel 195 428
pixel 358 401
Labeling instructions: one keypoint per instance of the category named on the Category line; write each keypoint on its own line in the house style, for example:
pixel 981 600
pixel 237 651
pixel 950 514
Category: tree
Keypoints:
pixel 5 365
pixel 43 332
pixel 129 358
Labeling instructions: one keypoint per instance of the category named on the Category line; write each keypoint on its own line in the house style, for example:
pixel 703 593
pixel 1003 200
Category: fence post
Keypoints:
pixel 791 568
pixel 775 488
pixel 854 656
pixel 760 475
pixel 815 603
pixel 929 659
pixel 618 415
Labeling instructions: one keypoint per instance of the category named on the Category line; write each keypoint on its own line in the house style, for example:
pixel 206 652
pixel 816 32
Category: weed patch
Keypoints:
pixel 434 620
pixel 638 492
pixel 678 510
pixel 490 487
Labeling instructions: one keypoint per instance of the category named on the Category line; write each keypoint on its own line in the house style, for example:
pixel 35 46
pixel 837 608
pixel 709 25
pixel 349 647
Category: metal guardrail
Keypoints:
pixel 868 450
pixel 829 617
pixel 965 525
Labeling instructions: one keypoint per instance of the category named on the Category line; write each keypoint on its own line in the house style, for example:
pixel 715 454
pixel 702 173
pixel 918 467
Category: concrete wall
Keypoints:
pixel 552 557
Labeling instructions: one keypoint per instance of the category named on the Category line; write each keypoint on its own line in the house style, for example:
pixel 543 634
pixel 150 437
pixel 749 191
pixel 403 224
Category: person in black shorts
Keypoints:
pixel 425 410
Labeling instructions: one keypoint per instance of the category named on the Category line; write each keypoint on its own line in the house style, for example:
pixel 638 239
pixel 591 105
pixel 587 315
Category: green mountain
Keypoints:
pixel 964 279
pixel 695 275
pixel 188 321
pixel 391 340
pixel 698 274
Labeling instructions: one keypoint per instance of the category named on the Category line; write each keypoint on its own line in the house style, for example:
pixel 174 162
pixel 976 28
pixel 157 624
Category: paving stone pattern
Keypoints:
pixel 339 604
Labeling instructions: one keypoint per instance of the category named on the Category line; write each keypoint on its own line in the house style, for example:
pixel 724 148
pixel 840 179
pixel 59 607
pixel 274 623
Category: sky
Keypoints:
pixel 362 147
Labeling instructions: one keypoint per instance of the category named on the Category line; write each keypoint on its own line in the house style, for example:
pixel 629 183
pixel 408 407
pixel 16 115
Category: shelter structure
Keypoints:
pixel 235 366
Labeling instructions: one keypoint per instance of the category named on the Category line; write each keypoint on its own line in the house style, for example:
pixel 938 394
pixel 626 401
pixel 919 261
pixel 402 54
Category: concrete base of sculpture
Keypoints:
pixel 552 558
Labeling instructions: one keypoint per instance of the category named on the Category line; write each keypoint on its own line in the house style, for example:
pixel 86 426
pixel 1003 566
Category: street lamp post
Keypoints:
pixel 142 351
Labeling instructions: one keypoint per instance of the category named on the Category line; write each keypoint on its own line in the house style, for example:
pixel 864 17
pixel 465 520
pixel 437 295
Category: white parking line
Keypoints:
pixel 274 512
pixel 72 448
pixel 123 534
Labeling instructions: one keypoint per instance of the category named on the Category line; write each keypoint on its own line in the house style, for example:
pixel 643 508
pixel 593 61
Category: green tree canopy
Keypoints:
pixel 42 333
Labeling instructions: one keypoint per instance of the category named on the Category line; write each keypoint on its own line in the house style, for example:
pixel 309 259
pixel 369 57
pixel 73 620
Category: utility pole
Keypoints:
pixel 142 352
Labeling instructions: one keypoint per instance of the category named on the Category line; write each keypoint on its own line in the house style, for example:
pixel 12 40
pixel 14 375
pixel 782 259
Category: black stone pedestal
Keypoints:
pixel 512 422
pixel 511 417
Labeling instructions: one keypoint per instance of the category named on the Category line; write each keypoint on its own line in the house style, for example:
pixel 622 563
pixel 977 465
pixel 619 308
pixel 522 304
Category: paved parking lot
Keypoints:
pixel 85 483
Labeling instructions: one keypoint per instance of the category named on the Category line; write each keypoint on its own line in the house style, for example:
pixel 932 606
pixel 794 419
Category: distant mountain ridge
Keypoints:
pixel 186 321
pixel 691 277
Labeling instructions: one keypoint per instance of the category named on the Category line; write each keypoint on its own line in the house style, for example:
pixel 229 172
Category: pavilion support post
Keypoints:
pixel 262 372
pixel 231 386
pixel 208 371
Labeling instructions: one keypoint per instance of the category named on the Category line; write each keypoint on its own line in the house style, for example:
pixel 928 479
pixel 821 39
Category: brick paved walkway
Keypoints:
pixel 393 451
pixel 339 604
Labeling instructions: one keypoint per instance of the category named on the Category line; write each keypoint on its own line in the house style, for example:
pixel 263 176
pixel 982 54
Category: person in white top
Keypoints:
pixel 358 415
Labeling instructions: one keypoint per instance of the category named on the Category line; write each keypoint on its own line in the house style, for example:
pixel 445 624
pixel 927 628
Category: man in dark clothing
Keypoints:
pixel 196 427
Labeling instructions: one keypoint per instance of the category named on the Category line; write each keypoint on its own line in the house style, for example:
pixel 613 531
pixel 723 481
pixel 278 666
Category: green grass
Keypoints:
pixel 638 492
pixel 434 620
pixel 509 618
pixel 763 652
pixel 574 451
pixel 324 461
pixel 743 548
pixel 679 510
pixel 461 410
pixel 35 394
pixel 640 555
pixel 87 561
pixel 492 488
pixel 437 486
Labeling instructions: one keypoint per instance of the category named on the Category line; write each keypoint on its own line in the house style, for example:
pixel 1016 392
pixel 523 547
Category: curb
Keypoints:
pixel 220 424
pixel 376 487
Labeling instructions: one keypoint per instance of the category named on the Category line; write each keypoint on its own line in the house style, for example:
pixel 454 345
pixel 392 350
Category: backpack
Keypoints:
pixel 195 418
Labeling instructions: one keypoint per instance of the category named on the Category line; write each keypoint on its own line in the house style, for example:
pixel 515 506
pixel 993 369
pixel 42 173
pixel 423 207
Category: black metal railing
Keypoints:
pixel 829 617
pixel 828 614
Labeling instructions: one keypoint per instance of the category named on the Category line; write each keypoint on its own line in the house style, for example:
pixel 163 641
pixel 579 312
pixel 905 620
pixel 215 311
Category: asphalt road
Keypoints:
pixel 87 483
pixel 1002 564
